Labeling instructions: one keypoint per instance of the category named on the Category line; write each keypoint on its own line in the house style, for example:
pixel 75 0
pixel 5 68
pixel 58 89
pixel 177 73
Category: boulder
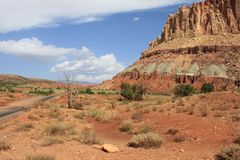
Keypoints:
pixel 109 148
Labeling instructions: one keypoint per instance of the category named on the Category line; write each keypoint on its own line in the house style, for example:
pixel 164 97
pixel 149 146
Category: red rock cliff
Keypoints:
pixel 210 17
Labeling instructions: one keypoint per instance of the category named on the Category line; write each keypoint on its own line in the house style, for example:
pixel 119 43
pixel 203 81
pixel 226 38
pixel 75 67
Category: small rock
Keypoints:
pixel 181 151
pixel 97 146
pixel 110 148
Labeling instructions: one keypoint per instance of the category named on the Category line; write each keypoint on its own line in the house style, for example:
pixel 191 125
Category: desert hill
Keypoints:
pixel 16 79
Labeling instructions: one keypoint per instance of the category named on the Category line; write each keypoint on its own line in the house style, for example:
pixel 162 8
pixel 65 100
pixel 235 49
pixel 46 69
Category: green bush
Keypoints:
pixel 207 87
pixel 132 92
pixel 39 92
pixel 86 91
pixel 146 140
pixel 184 90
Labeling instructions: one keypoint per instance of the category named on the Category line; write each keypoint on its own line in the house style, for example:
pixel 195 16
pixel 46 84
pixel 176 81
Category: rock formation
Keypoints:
pixel 199 44
pixel 210 17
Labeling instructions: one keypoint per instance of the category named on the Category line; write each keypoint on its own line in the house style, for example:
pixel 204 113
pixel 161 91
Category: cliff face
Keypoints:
pixel 199 44
pixel 210 17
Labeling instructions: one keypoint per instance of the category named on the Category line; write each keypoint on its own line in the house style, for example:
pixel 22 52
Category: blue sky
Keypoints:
pixel 95 47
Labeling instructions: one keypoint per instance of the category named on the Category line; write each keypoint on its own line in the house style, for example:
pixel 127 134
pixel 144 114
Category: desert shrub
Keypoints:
pixel 32 117
pixel 54 112
pixel 219 114
pixel 61 118
pixel 223 107
pixel 207 87
pixel 126 126
pixel 137 106
pixel 236 118
pixel 128 109
pixel 154 108
pixel 132 92
pixel 236 107
pixel 237 140
pixel 145 128
pixel 79 115
pixel 146 140
pixel 203 111
pixel 49 140
pixel 59 128
pixel 11 96
pixel 77 105
pixel 86 91
pixel 137 116
pixel 179 139
pixel 231 152
pixel 42 92
pixel 40 157
pixel 4 145
pixel 24 127
pixel 161 109
pixel 181 109
pixel 88 137
pixel 103 115
pixel 101 92
pixel 191 110
pixel 184 90
pixel 145 110
pixel 172 131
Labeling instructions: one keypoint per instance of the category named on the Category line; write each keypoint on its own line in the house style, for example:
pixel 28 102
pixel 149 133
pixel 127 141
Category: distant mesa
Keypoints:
pixel 199 44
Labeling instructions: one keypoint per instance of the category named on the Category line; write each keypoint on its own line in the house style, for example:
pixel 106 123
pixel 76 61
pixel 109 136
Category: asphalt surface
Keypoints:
pixel 7 112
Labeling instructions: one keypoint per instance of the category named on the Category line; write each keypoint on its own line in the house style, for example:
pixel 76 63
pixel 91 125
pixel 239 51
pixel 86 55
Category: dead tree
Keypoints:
pixel 69 79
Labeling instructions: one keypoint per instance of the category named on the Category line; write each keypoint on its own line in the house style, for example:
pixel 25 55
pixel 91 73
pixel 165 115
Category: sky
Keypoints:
pixel 94 39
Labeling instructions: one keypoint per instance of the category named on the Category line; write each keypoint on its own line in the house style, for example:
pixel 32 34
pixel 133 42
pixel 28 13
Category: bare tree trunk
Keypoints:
pixel 69 88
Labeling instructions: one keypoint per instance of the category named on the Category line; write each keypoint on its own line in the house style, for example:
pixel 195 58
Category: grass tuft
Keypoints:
pixel 126 126
pixel 4 145
pixel 88 137
pixel 231 152
pixel 59 128
pixel 40 157
pixel 146 140
pixel 24 127
pixel 49 140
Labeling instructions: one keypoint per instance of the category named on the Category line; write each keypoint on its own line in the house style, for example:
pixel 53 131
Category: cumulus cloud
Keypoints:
pixel 18 15
pixel 33 48
pixel 91 69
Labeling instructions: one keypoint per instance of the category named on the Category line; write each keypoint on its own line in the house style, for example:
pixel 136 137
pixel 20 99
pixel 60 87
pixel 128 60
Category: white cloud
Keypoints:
pixel 18 15
pixel 82 61
pixel 33 48
pixel 136 19
pixel 91 69
pixel 93 79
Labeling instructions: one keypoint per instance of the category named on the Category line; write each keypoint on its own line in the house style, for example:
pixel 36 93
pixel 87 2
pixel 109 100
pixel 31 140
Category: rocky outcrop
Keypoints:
pixel 204 18
pixel 199 44
pixel 195 50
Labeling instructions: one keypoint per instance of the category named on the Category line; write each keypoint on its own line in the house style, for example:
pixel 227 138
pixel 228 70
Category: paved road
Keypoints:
pixel 12 110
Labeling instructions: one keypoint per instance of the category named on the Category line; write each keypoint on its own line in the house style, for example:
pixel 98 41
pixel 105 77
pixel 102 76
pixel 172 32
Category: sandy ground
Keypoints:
pixel 204 135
